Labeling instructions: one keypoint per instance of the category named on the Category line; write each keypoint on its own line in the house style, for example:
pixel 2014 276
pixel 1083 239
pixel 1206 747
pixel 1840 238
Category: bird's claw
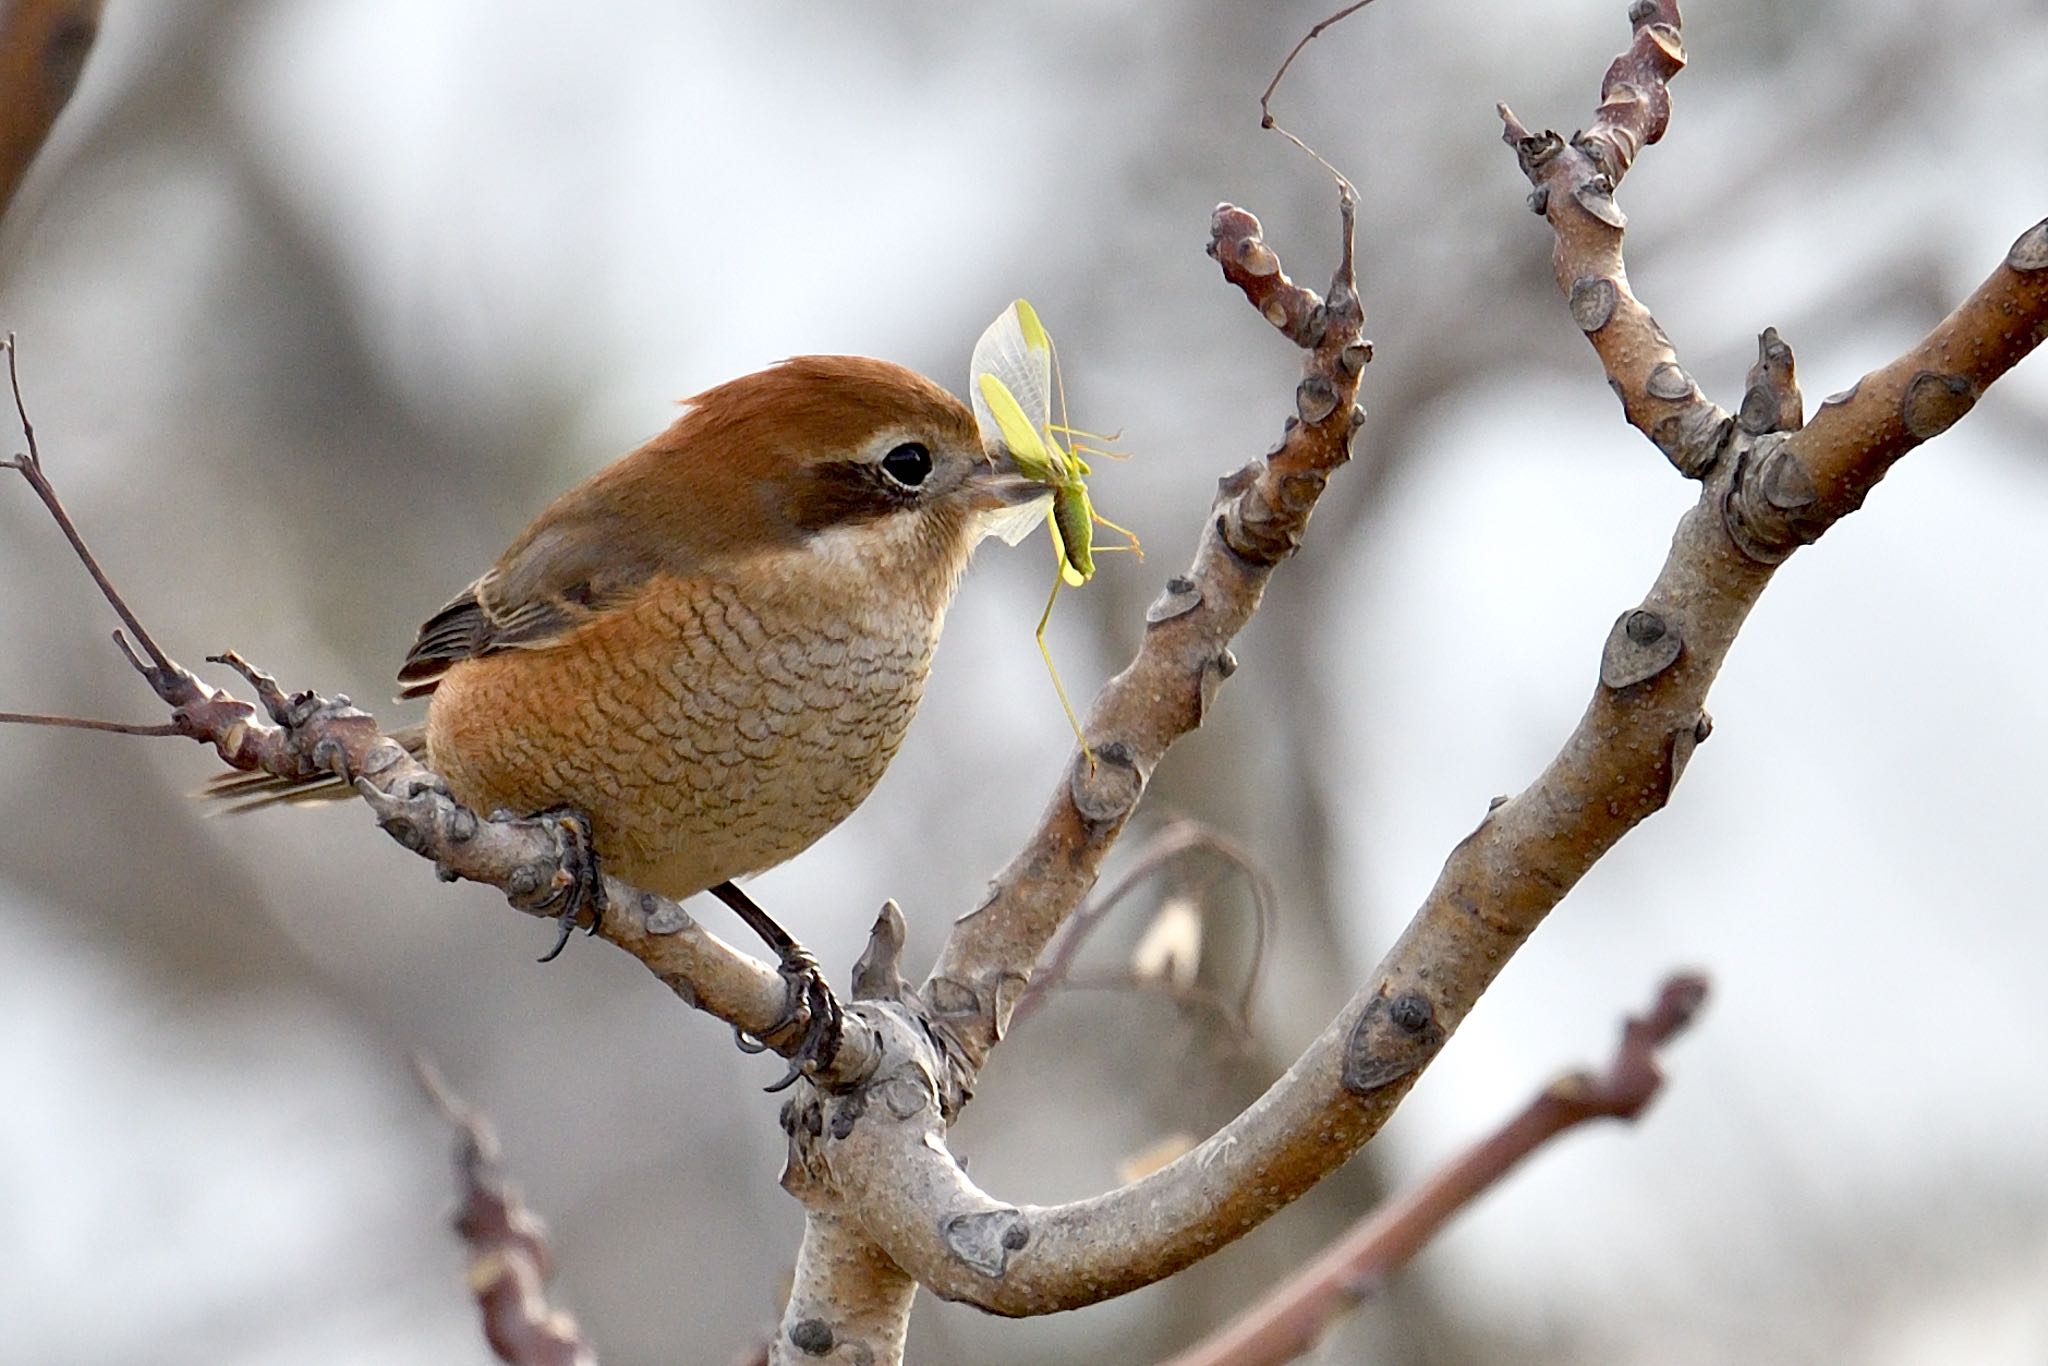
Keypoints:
pixel 584 888
pixel 813 1004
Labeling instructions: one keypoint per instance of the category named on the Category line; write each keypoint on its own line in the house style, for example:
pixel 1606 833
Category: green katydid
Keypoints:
pixel 1014 378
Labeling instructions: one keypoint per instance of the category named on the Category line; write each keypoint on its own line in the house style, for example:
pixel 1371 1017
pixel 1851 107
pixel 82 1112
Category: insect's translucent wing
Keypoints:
pixel 1016 350
pixel 1011 525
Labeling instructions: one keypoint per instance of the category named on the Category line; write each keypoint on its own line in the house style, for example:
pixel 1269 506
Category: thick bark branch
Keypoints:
pixel 1857 435
pixel 1616 768
pixel 849 1302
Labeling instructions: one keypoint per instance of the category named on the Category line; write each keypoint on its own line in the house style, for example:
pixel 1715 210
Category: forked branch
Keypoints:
pixel 1260 515
pixel 1615 769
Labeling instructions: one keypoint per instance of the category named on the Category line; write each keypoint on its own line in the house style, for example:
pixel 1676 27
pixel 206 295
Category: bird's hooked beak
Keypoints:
pixel 1009 503
pixel 1000 484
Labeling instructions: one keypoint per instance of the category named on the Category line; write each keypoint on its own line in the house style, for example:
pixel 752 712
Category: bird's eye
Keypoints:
pixel 909 464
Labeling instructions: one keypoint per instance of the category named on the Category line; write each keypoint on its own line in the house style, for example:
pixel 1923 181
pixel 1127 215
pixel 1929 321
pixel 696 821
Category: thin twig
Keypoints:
pixel 1187 996
pixel 1266 119
pixel 1291 1320
pixel 30 718
pixel 1266 100
pixel 31 466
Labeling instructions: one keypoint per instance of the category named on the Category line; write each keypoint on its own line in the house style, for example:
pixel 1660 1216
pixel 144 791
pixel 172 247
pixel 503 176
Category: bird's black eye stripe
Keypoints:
pixel 909 464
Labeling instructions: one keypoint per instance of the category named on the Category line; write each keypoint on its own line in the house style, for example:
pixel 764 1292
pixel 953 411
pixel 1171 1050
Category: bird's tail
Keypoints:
pixel 253 791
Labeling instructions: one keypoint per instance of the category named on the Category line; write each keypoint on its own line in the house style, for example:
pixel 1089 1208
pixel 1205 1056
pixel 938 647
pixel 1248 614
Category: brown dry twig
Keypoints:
pixel 509 1261
pixel 29 464
pixel 1295 1316
pixel 1573 185
pixel 1315 31
pixel 41 718
pixel 1267 121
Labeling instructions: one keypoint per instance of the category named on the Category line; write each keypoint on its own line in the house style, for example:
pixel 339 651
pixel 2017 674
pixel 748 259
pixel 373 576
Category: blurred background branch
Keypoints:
pixel 509 1261
pixel 1290 1321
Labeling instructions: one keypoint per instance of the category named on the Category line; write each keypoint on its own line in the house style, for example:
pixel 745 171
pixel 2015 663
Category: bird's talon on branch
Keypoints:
pixel 583 884
pixel 812 1005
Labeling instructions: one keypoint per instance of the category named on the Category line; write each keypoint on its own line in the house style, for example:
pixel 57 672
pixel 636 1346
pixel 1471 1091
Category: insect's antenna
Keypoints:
pixel 1059 388
pixel 1082 431
pixel 1081 448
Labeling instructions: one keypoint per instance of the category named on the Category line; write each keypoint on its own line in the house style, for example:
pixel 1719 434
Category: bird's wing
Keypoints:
pixel 563 573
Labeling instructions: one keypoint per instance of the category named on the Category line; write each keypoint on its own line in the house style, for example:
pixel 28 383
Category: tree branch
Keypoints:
pixel 1857 435
pixel 1177 840
pixel 1574 183
pixel 38 718
pixel 847 1297
pixel 1616 768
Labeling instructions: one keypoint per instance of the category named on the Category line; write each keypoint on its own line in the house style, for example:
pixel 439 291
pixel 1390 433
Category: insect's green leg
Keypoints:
pixel 1057 686
pixel 1099 520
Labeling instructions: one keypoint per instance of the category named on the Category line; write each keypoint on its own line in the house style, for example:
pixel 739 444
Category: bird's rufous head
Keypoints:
pixel 857 459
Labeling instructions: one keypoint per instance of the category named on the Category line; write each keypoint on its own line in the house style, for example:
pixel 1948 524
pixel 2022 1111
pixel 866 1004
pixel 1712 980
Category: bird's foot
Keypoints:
pixel 813 1006
pixel 584 887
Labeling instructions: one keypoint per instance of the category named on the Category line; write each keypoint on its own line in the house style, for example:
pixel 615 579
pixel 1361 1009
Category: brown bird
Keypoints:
pixel 710 650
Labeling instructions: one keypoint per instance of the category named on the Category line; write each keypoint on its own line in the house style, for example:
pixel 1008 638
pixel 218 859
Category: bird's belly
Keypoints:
pixel 704 739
